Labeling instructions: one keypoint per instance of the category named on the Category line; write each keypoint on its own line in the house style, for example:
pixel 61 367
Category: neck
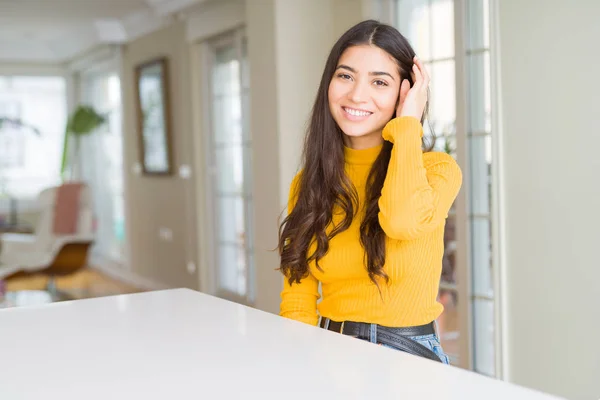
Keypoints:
pixel 363 142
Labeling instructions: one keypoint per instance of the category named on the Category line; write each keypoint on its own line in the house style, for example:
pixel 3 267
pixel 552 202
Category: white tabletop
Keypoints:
pixel 181 344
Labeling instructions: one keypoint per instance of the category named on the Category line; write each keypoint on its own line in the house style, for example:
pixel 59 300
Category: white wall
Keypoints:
pixel 264 107
pixel 154 204
pixel 551 106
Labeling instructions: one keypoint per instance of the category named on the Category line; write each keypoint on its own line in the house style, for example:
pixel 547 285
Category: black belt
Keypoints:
pixel 397 338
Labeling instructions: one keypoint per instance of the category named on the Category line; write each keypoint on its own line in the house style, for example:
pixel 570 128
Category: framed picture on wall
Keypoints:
pixel 154 116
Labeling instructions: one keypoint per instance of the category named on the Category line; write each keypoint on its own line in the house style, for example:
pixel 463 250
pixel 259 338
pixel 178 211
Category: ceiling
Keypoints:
pixel 55 31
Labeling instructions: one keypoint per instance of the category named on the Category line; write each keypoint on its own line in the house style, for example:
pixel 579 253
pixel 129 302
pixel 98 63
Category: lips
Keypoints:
pixel 355 114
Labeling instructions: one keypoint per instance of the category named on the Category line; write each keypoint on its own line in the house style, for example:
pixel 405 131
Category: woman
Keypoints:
pixel 367 211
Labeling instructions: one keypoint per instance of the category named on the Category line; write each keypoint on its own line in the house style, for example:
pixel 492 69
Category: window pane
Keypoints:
pixel 442 113
pixel 227 119
pixel 445 142
pixel 232 269
pixel 479 24
pixel 31 161
pixel 448 324
pixel 245 115
pixel 247 170
pixel 413 21
pixel 226 73
pixel 480 156
pixel 231 220
pixel 230 170
pixel 245 65
pixel 479 92
pixel 483 336
pixel 449 258
pixel 482 257
pixel 102 168
pixel 442 24
pixel 12 142
pixel 248 239
pixel 227 101
pixel 230 156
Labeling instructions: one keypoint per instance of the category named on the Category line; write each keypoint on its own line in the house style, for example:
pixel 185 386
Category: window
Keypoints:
pixel 429 25
pixel 102 166
pixel 31 161
pixel 230 171
pixel 479 145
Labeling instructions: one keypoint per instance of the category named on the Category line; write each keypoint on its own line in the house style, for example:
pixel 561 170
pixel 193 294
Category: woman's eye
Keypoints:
pixel 344 76
pixel 380 83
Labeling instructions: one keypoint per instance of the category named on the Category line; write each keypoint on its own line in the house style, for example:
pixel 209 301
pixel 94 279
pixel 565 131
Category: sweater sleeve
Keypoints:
pixel 299 300
pixel 419 188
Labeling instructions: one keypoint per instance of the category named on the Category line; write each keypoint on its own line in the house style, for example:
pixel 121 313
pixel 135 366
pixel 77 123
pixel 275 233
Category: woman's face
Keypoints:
pixel 363 94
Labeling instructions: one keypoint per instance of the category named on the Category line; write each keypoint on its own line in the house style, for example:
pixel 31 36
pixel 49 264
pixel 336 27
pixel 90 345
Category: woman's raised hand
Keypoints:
pixel 413 100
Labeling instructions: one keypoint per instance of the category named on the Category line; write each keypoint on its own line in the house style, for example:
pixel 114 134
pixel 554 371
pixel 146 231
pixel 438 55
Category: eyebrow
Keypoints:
pixel 374 73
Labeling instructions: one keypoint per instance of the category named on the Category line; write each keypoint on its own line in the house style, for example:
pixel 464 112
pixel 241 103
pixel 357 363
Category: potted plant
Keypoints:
pixel 83 121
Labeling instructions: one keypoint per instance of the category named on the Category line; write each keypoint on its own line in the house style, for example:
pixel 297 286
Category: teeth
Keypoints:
pixel 357 113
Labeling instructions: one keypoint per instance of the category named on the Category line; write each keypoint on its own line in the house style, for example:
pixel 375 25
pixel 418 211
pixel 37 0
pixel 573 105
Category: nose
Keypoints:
pixel 358 94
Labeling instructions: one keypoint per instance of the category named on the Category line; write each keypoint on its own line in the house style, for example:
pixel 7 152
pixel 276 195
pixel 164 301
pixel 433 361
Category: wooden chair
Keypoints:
pixel 44 251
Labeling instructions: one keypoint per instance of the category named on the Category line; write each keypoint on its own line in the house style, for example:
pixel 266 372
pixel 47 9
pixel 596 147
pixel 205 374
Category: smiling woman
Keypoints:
pixel 363 94
pixel 367 212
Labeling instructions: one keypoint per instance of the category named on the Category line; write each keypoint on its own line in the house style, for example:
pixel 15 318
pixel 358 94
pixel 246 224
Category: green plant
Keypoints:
pixel 18 124
pixel 83 121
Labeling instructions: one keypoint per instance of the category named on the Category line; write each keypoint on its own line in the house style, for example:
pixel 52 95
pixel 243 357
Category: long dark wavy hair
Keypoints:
pixel 323 183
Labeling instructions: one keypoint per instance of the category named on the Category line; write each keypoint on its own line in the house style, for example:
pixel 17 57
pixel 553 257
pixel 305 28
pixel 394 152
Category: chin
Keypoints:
pixel 351 129
pixel 356 131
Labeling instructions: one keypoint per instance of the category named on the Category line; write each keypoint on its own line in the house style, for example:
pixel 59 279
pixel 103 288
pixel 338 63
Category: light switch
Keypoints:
pixel 137 169
pixel 185 171
pixel 165 234
pixel 191 267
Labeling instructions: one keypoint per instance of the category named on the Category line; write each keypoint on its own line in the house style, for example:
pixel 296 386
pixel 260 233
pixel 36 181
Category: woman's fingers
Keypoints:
pixel 412 101
pixel 424 73
pixel 418 77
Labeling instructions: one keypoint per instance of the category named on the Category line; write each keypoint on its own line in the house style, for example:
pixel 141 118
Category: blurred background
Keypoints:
pixel 177 127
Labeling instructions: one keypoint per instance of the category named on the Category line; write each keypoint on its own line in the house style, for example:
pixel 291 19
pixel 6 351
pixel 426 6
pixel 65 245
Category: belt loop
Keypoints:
pixel 373 334
pixel 327 321
pixel 436 330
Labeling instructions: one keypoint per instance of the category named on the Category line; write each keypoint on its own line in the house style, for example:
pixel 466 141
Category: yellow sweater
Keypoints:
pixel 417 194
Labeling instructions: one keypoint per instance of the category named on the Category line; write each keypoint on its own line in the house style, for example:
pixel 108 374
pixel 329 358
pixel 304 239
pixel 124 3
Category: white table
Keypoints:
pixel 181 344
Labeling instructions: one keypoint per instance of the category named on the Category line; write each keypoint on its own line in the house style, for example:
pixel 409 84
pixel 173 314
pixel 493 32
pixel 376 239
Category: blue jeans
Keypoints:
pixel 432 342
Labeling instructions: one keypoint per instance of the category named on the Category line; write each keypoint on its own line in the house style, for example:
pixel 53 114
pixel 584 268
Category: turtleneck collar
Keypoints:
pixel 362 157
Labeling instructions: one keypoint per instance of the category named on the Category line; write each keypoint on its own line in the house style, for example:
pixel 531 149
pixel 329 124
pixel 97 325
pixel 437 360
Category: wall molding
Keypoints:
pixel 123 274
pixel 215 19
pixel 166 7
pixel 92 58
pixel 31 69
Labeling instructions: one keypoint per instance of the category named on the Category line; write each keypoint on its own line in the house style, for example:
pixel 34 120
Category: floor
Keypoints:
pixel 85 284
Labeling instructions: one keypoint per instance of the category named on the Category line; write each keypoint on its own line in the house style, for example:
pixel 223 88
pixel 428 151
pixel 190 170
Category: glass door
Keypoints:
pixel 230 169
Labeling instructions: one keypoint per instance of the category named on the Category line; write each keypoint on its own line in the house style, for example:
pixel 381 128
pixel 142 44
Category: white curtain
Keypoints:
pixel 102 167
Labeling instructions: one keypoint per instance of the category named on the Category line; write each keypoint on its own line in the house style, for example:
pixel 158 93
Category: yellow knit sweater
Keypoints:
pixel 417 194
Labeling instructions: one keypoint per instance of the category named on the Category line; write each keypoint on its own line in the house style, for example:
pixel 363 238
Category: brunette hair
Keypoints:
pixel 323 183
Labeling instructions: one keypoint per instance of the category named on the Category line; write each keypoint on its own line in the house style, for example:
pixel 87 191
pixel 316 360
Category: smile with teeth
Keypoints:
pixel 357 113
